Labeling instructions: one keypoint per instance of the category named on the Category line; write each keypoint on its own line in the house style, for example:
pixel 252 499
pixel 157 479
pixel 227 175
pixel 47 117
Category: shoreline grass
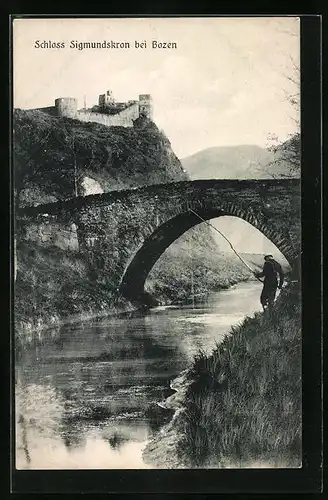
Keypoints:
pixel 243 408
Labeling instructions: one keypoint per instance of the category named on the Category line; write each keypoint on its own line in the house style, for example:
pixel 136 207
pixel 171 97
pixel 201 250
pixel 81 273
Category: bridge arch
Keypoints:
pixel 140 264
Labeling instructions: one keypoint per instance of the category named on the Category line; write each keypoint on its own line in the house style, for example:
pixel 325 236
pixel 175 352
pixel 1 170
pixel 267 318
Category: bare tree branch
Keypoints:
pixel 287 154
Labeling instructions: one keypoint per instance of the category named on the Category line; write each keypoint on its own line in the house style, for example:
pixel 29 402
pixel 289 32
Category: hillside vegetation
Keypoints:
pixel 52 154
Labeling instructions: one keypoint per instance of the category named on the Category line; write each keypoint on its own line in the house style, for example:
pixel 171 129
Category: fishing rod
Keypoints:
pixel 239 257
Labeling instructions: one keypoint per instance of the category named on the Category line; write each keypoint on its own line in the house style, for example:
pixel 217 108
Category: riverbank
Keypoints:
pixel 240 406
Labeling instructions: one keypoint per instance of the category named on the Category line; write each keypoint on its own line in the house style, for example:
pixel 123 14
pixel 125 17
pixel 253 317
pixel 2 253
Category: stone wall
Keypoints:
pixel 123 119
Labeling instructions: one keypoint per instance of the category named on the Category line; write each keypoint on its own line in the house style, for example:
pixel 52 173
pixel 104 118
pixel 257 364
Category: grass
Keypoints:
pixel 244 406
pixel 53 285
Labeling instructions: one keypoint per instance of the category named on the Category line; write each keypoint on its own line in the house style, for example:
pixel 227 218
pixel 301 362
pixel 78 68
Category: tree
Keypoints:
pixel 287 154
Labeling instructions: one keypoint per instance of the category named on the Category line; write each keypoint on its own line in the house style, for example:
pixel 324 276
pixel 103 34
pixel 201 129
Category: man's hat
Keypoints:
pixel 269 256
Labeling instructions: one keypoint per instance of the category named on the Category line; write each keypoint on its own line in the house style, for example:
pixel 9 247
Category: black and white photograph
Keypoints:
pixel 157 243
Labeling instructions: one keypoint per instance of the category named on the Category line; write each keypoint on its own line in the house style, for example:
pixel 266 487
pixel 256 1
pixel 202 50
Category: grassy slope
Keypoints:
pixel 52 286
pixel 244 405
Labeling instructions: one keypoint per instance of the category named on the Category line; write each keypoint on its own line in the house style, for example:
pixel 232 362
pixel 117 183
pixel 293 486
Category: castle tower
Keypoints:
pixel 106 99
pixel 66 106
pixel 146 106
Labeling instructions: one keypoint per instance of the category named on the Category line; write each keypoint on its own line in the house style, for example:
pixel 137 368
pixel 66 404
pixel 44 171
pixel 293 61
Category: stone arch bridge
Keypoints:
pixel 123 233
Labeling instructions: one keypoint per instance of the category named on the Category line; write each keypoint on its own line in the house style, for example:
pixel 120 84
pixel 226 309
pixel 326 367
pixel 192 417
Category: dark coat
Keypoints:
pixel 272 272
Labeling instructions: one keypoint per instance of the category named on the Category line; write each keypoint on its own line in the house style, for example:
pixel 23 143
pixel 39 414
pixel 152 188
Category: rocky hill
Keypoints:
pixel 53 156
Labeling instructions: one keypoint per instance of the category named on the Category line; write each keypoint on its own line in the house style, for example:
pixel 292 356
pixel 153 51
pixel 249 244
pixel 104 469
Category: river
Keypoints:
pixel 86 396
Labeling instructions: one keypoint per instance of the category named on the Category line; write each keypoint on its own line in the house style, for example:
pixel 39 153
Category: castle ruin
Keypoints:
pixel 108 112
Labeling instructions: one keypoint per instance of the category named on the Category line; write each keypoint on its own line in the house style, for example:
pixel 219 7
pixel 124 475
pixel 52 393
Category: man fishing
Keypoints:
pixel 271 270
pixel 273 279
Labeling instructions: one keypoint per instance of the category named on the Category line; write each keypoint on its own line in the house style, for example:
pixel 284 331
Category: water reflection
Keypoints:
pixel 88 397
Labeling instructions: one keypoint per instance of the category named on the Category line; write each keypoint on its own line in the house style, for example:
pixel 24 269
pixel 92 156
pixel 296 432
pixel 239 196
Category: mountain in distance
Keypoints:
pixel 237 162
pixel 232 162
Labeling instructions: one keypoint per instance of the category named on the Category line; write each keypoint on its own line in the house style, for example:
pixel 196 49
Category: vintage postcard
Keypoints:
pixel 157 303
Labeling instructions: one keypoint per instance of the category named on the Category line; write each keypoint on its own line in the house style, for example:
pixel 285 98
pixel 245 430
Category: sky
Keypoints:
pixel 225 83
pixel 245 238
